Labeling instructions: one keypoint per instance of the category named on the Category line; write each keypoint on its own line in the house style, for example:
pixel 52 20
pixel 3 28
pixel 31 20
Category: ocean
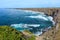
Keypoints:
pixel 25 19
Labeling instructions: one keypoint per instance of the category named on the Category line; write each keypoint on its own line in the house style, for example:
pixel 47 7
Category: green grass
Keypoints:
pixel 8 33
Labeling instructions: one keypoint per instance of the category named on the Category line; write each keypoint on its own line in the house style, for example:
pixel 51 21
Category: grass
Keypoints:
pixel 8 33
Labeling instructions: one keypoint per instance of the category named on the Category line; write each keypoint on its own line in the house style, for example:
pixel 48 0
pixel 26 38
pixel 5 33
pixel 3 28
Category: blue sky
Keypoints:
pixel 29 3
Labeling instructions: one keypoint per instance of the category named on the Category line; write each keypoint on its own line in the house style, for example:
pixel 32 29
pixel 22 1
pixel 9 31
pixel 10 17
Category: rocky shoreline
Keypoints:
pixel 55 13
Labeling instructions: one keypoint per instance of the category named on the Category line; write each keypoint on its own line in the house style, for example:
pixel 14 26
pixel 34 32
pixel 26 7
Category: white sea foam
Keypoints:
pixel 51 19
pixel 25 25
pixel 19 25
pixel 38 16
pixel 34 25
pixel 38 33
pixel 33 11
pixel 16 25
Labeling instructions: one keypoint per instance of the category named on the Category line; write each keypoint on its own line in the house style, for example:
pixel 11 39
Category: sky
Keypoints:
pixel 29 3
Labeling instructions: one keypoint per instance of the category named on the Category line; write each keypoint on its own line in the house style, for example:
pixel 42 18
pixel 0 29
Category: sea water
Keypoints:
pixel 26 20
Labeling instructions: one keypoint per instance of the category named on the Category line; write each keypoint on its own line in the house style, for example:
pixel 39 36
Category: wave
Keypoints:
pixel 25 25
pixel 38 16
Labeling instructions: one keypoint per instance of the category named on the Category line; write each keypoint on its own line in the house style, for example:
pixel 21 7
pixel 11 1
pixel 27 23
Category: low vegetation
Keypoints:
pixel 8 33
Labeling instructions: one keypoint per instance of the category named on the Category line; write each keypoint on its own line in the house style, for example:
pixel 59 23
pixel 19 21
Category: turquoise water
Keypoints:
pixel 25 20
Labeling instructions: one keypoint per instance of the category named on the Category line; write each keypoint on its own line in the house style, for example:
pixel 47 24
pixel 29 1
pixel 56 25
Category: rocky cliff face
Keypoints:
pixel 55 13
